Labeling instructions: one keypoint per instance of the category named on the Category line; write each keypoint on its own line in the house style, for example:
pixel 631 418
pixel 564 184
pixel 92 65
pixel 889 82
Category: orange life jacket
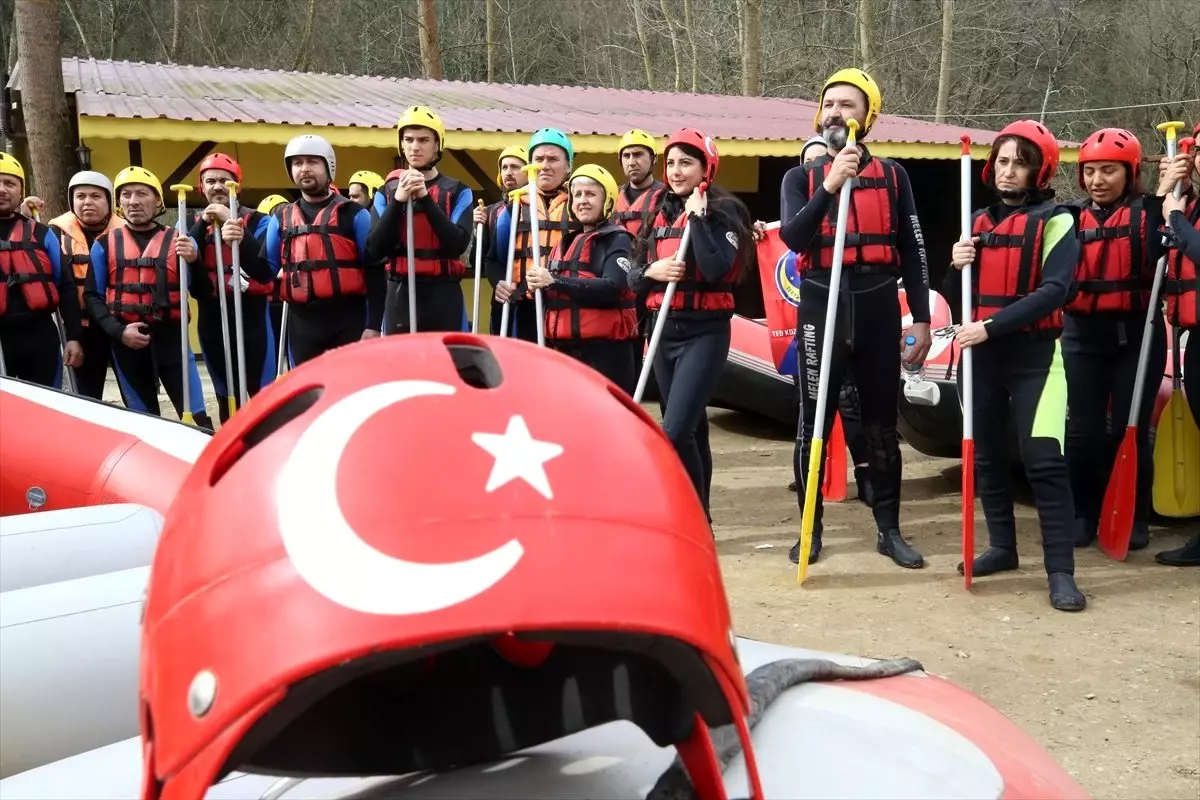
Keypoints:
pixel 1182 284
pixel 1008 263
pixel 426 247
pixel 76 250
pixel 553 222
pixel 871 227
pixel 208 257
pixel 566 319
pixel 1112 273
pixel 692 292
pixel 143 285
pixel 320 261
pixel 25 265
pixel 629 215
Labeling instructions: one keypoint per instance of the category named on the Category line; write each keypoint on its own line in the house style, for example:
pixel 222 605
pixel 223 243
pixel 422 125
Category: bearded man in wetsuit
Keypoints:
pixel 883 244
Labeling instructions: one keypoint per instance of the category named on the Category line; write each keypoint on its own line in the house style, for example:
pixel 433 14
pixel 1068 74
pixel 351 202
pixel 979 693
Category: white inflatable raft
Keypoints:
pixel 817 740
pixel 68 667
pixel 53 546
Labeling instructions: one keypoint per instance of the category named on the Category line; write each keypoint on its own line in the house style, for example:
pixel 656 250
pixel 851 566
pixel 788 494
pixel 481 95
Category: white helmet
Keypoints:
pixel 90 178
pixel 309 144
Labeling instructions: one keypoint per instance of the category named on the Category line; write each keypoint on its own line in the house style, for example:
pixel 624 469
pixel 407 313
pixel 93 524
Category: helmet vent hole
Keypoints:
pixel 475 363
pixel 281 415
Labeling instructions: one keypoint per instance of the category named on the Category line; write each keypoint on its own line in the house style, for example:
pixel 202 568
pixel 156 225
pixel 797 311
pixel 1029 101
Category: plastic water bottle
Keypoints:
pixel 912 372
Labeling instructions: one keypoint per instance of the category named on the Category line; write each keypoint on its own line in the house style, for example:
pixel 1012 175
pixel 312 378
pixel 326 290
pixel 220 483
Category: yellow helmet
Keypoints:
pixel 512 151
pixel 860 80
pixel 270 203
pixel 601 176
pixel 132 175
pixel 421 117
pixel 371 180
pixel 638 138
pixel 10 166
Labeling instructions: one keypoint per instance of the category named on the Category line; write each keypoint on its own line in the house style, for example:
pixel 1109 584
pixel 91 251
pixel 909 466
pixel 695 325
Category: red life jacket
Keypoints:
pixel 1008 263
pixel 693 292
pixel 76 250
pixel 426 247
pixel 871 228
pixel 553 222
pixel 25 264
pixel 249 219
pixel 143 285
pixel 566 319
pixel 320 261
pixel 629 215
pixel 1182 284
pixel 1112 274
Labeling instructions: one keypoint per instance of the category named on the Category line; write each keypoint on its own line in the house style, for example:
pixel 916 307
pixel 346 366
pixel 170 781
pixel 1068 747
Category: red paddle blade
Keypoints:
pixel 968 511
pixel 833 490
pixel 1116 516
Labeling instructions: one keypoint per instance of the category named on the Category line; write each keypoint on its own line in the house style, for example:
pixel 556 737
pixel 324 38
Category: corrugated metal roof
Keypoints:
pixel 136 90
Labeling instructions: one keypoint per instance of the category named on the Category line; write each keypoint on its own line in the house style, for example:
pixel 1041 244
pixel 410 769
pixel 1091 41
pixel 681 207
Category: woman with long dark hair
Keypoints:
pixel 1024 251
pixel 695 337
pixel 1119 247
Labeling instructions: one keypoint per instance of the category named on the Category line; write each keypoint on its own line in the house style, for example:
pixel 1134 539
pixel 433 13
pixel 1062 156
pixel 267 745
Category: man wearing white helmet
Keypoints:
pixel 90 195
pixel 317 246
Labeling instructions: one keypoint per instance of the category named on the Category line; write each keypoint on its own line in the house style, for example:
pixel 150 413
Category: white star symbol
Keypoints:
pixel 518 455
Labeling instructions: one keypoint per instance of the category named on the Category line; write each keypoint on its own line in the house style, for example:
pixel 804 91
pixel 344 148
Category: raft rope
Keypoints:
pixel 766 684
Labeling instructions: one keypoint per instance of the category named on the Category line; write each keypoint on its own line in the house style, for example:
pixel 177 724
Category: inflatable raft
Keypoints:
pixel 914 735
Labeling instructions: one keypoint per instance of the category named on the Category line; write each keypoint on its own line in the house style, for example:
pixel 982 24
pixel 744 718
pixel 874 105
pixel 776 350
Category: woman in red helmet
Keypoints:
pixel 1182 291
pixel 695 337
pixel 1102 335
pixel 1024 251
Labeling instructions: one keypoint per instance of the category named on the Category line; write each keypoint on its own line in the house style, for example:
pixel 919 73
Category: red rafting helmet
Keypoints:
pixel 1112 144
pixel 1041 137
pixel 311 614
pixel 698 140
pixel 218 161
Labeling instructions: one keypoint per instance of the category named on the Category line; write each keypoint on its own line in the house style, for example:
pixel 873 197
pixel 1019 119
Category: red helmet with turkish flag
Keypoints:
pixel 405 556
pixel 697 140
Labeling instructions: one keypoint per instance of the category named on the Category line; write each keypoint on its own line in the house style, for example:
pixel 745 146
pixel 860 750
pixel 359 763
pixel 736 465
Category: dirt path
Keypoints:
pixel 1113 693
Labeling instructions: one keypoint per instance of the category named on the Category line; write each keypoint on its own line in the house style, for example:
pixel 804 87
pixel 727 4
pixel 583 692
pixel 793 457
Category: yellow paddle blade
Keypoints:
pixel 1177 461
pixel 811 485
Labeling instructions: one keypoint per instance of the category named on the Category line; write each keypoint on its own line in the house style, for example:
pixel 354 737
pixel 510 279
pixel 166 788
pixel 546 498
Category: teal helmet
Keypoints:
pixel 555 137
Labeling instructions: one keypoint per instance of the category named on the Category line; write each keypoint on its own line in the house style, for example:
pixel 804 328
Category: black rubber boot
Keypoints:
pixel 792 486
pixel 892 545
pixel 866 492
pixel 1139 537
pixel 1186 556
pixel 1085 531
pixel 814 554
pixel 991 561
pixel 1064 594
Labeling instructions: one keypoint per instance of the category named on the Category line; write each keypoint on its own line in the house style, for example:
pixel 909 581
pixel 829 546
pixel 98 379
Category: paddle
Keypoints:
pixel 1177 450
pixel 814 461
pixel 834 487
pixel 1120 497
pixel 185 342
pixel 968 384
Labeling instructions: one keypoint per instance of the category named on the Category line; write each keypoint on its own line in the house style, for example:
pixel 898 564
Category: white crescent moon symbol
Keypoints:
pixel 327 552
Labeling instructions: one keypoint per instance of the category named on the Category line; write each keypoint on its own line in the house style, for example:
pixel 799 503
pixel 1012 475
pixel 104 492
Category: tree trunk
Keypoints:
pixel 691 37
pixel 87 50
pixel 44 103
pixel 866 50
pixel 943 91
pixel 176 14
pixel 674 46
pixel 490 11
pixel 301 62
pixel 751 46
pixel 431 56
pixel 641 34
